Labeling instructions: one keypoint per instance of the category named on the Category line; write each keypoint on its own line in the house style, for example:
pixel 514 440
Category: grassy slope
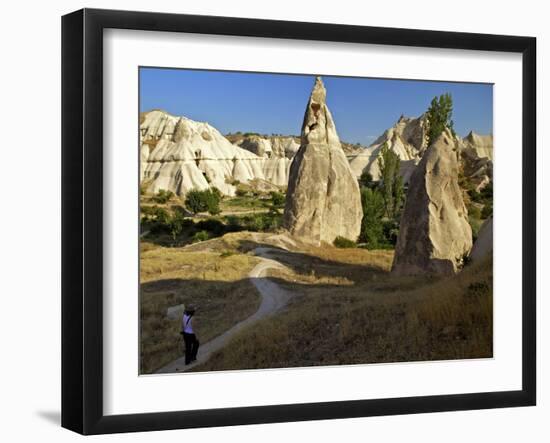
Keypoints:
pixel 351 310
pixel 171 276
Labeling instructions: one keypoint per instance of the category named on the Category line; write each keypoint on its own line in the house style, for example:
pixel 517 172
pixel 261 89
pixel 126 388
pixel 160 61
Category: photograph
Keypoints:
pixel 312 220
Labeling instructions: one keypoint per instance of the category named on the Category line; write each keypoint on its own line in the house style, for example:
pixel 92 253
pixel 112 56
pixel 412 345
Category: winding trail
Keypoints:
pixel 274 298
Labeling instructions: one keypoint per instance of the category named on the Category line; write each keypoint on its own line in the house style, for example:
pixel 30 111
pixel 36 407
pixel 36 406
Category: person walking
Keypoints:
pixel 189 336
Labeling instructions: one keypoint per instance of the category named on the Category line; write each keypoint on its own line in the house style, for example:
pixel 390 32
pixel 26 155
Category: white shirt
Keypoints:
pixel 188 324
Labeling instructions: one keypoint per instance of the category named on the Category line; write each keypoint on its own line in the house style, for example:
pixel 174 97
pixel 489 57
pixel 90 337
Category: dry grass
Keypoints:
pixel 366 315
pixel 348 307
pixel 215 282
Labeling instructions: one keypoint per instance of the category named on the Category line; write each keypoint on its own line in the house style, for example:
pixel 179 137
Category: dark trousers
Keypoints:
pixel 191 347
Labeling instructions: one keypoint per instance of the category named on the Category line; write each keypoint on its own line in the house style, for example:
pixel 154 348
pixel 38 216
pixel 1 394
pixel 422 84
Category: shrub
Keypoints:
pixel 255 222
pixel 487 192
pixel 474 212
pixel 475 224
pixel 343 242
pixel 241 192
pixel 277 198
pixel 366 180
pixel 261 222
pixel 213 198
pixel 155 214
pixel 200 236
pixel 390 228
pixel 162 196
pixel 202 201
pixel 217 193
pixel 475 196
pixel 233 223
pixel 487 211
pixel 195 201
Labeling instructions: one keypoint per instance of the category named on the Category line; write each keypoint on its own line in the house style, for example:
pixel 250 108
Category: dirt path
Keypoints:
pixel 273 297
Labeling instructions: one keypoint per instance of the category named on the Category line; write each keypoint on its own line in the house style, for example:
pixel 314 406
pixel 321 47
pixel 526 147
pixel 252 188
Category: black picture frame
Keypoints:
pixel 82 220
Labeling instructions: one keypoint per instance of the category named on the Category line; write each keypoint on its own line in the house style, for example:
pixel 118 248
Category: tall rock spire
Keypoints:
pixel 323 199
pixel 434 233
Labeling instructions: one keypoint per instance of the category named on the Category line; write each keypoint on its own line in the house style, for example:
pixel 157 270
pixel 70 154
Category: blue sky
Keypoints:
pixel 363 108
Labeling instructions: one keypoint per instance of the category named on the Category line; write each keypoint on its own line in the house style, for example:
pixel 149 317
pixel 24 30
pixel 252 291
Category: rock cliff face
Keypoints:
pixel 407 138
pixel 277 153
pixel 270 147
pixel 434 233
pixel 477 159
pixel 323 199
pixel 182 154
pixel 482 145
pixel 179 154
pixel 484 243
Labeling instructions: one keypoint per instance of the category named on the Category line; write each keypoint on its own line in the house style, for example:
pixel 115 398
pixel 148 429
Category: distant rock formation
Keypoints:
pixel 278 153
pixel 407 138
pixel 184 154
pixel 270 147
pixel 179 154
pixel 482 145
pixel 434 234
pixel 483 246
pixel 323 199
pixel 477 159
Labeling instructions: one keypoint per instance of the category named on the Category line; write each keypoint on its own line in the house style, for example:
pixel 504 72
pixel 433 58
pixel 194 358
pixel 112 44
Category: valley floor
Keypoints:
pixel 345 307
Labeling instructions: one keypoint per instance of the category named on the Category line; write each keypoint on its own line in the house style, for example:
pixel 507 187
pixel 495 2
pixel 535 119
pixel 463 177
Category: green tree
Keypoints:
pixel 203 201
pixel 372 228
pixel 391 182
pixel 366 180
pixel 439 116
pixel 213 199
pixel 195 201
pixel 177 223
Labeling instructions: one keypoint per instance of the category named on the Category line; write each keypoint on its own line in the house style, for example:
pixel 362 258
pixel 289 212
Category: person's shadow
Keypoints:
pixel 54 417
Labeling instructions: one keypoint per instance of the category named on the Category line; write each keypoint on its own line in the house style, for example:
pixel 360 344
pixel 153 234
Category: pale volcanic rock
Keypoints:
pixel 482 145
pixel 276 170
pixel 323 199
pixel 274 146
pixel 179 154
pixel 434 233
pixel 483 245
pixel 277 153
pixel 477 159
pixel 407 138
pixel 183 154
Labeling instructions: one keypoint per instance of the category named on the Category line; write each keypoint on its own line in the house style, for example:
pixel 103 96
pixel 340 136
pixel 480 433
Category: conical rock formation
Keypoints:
pixel 434 233
pixel 483 246
pixel 323 199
